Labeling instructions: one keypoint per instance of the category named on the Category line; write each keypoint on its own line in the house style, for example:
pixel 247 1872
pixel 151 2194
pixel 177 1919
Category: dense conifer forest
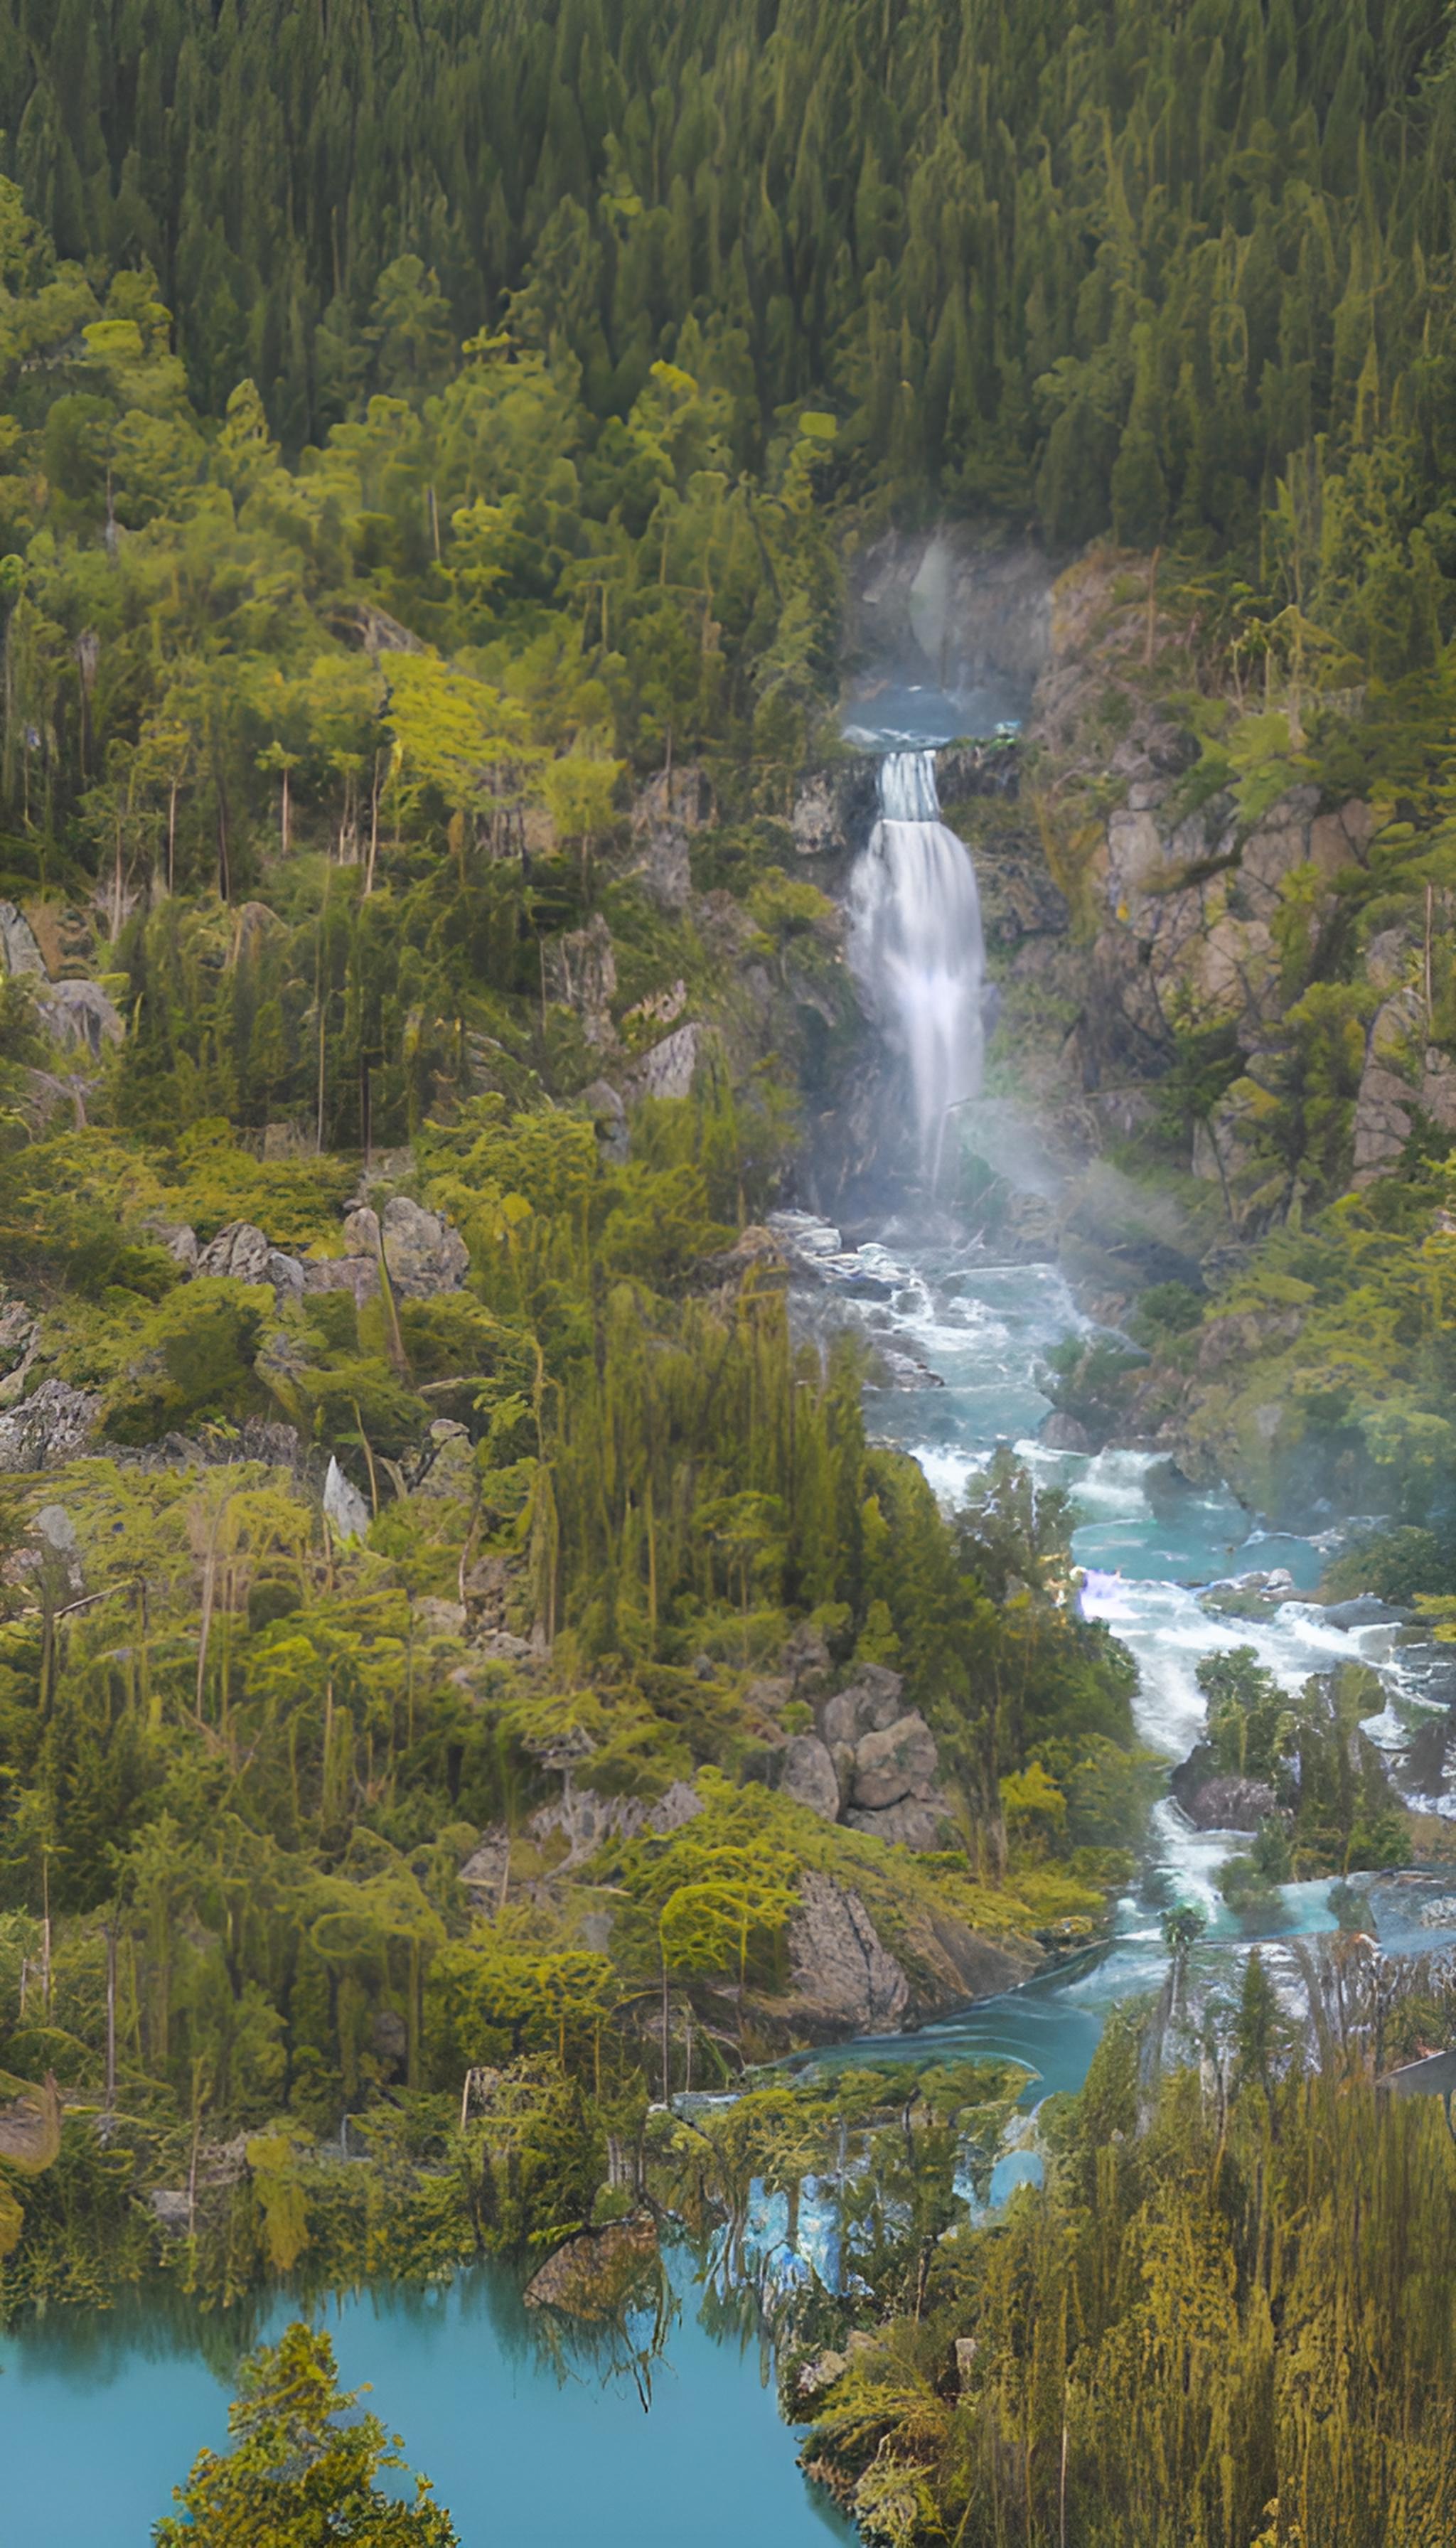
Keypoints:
pixel 435 445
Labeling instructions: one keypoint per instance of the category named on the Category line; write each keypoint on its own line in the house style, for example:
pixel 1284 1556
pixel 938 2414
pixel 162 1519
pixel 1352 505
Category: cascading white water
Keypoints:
pixel 915 943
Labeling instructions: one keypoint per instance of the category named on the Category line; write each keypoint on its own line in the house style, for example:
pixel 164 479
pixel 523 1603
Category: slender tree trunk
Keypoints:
pixel 224 863
pixel 320 1003
pixel 373 831
pixel 368 1461
pixel 111 2017
pixel 171 835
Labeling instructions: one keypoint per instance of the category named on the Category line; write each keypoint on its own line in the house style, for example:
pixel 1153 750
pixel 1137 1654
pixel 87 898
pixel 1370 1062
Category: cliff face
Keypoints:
pixel 1220 1002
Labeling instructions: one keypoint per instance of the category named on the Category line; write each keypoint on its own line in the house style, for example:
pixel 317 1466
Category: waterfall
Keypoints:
pixel 915 943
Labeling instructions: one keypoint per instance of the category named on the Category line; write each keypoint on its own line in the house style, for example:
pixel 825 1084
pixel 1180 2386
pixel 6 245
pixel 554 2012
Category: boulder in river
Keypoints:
pixel 1217 1799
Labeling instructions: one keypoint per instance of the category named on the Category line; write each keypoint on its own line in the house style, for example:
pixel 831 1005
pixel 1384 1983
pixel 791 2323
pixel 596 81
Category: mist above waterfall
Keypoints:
pixel 914 944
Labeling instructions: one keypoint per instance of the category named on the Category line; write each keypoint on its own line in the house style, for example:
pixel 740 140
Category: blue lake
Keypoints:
pixel 101 2414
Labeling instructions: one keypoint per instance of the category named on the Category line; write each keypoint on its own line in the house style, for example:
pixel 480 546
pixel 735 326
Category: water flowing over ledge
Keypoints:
pixel 914 944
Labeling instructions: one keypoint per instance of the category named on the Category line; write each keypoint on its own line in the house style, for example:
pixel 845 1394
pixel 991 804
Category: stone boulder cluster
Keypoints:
pixel 872 1763
pixel 418 1250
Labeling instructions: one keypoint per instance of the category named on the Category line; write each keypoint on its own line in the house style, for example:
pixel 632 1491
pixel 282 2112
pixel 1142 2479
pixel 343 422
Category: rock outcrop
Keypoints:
pixel 882 1757
pixel 238 1255
pixel 835 808
pixel 842 1975
pixel 581 976
pixel 669 1070
pixel 1406 1077
pixel 18 947
pixel 57 1424
pixel 670 807
pixel 423 1255
pixel 344 1508
pixel 80 1013
pixel 585 1820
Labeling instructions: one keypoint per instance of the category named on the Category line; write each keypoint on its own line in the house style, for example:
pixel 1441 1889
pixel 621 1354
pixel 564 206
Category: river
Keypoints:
pixel 101 2413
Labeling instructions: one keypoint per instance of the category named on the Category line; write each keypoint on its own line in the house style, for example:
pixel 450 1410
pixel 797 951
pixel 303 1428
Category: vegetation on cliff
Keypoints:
pixel 418 1487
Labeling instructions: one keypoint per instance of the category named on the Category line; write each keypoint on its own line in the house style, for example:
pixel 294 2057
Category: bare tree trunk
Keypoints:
pixel 171 835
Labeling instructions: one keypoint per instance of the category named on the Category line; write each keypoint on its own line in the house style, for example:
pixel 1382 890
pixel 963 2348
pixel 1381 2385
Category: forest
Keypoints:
pixel 438 444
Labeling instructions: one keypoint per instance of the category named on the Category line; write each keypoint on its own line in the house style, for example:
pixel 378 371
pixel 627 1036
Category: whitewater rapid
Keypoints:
pixel 1146 1545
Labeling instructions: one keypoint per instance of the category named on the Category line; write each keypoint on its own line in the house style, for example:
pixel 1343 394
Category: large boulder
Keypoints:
pixel 871 1701
pixel 844 1975
pixel 809 1775
pixel 914 1822
pixel 1217 1799
pixel 894 1761
pixel 446 1461
pixel 423 1253
pixel 359 1275
pixel 80 1013
pixel 609 1113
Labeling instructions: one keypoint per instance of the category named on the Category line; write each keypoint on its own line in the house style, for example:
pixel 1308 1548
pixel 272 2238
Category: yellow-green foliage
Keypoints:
pixel 1182 2337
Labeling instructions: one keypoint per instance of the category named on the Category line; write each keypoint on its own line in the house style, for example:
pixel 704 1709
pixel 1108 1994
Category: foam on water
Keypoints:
pixel 1147 1547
